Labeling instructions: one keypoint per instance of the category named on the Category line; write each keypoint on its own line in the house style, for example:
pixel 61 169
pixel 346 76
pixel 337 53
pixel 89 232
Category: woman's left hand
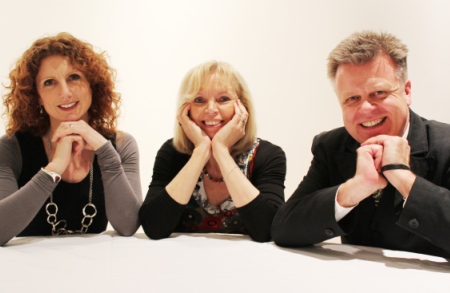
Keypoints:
pixel 234 130
pixel 93 139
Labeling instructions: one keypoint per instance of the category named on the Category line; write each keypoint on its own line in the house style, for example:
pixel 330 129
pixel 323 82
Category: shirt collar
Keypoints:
pixel 405 134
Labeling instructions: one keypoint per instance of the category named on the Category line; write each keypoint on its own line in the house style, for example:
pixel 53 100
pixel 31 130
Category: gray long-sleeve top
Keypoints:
pixel 120 177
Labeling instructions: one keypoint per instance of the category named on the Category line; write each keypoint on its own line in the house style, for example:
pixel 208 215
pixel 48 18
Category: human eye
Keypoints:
pixel 48 82
pixel 352 99
pixel 199 100
pixel 223 99
pixel 380 94
pixel 74 76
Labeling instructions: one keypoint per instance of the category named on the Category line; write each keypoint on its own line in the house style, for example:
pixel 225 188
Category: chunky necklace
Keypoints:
pixel 52 219
pixel 211 178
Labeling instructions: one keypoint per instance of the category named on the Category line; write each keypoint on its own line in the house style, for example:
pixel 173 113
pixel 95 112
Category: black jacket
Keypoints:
pixel 422 225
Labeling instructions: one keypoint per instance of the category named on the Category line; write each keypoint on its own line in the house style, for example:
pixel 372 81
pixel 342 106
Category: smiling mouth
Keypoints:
pixel 212 123
pixel 68 106
pixel 373 123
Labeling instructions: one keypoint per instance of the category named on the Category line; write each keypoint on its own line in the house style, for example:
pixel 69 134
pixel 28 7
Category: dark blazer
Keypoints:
pixel 421 225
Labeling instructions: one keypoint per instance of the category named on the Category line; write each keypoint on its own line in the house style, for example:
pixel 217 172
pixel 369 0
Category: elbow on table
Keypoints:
pixel 260 237
pixel 128 231
pixel 154 234
pixel 3 243
pixel 284 237
pixel 286 241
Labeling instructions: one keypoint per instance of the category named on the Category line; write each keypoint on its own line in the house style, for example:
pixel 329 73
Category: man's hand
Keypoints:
pixel 367 179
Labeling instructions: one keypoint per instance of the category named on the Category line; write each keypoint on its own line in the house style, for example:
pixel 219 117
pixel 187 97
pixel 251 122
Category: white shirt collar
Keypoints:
pixel 405 134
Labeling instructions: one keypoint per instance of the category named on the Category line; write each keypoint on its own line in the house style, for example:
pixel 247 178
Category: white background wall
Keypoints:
pixel 279 46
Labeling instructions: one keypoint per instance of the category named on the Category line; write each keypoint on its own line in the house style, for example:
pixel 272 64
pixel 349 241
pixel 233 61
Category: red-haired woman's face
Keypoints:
pixel 63 90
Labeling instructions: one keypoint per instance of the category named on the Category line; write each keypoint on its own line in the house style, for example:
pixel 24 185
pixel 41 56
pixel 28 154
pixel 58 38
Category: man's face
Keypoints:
pixel 373 100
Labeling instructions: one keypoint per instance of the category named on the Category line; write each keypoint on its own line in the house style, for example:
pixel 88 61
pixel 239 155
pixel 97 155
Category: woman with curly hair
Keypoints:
pixel 215 175
pixel 64 167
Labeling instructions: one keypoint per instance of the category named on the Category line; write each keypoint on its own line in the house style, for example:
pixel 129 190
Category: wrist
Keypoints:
pixel 389 167
pixel 203 152
pixel 55 176
pixel 402 180
pixel 353 191
pixel 53 166
pixel 219 148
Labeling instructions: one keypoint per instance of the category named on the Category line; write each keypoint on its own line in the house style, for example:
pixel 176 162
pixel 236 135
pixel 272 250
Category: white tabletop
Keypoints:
pixel 210 263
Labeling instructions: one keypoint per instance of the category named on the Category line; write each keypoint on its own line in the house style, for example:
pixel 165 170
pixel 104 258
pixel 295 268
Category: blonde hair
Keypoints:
pixel 362 47
pixel 191 85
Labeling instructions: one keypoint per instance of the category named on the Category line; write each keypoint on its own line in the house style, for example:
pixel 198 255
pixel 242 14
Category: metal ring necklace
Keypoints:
pixel 51 215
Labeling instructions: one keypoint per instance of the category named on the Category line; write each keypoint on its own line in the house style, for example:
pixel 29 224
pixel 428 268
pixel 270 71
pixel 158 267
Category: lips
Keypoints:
pixel 373 123
pixel 213 123
pixel 68 106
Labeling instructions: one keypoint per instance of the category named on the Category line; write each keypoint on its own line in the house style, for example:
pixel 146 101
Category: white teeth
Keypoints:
pixel 68 105
pixel 212 123
pixel 372 123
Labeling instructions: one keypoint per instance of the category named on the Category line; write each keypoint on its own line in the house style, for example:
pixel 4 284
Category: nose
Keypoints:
pixel 367 105
pixel 211 107
pixel 66 92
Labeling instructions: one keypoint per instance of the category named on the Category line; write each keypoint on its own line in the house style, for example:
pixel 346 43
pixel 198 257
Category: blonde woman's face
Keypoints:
pixel 213 106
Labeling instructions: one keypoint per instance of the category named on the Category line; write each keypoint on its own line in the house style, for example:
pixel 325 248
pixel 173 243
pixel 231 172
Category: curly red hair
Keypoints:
pixel 22 100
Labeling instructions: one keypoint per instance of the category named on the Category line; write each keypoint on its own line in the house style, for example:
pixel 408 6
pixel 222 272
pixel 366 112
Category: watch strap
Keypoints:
pixel 55 176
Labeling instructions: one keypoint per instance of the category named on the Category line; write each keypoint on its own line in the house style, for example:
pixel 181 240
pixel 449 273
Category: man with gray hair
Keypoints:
pixel 383 179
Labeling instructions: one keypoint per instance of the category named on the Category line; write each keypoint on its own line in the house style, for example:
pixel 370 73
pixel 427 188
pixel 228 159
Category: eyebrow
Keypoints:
pixel 220 93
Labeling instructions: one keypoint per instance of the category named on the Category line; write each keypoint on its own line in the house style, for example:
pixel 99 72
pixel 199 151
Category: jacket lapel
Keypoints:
pixel 346 159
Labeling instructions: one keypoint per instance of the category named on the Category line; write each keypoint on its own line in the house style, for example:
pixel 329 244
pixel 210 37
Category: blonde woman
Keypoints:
pixel 215 175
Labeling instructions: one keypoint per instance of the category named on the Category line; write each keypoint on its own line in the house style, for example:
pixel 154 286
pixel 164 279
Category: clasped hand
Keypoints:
pixel 377 152
pixel 71 139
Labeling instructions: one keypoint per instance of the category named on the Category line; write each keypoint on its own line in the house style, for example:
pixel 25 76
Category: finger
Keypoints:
pixel 64 129
pixel 242 107
pixel 379 139
pixel 237 118
pixel 78 145
pixel 183 113
pixel 243 114
pixel 378 158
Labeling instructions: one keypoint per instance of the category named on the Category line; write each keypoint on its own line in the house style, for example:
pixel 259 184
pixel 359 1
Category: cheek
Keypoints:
pixel 228 113
pixel 348 114
pixel 194 113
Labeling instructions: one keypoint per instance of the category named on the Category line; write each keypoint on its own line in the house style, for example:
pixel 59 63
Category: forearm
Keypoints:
pixel 353 191
pixel 182 185
pixel 240 188
pixel 306 219
pixel 426 213
pixel 402 180
pixel 121 183
pixel 257 218
pixel 159 214
pixel 19 207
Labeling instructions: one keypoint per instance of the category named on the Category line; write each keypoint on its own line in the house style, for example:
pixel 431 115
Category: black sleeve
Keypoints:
pixel 268 177
pixel 160 214
pixel 308 216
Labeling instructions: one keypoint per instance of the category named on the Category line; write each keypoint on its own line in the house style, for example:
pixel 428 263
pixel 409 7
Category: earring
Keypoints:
pixel 41 110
